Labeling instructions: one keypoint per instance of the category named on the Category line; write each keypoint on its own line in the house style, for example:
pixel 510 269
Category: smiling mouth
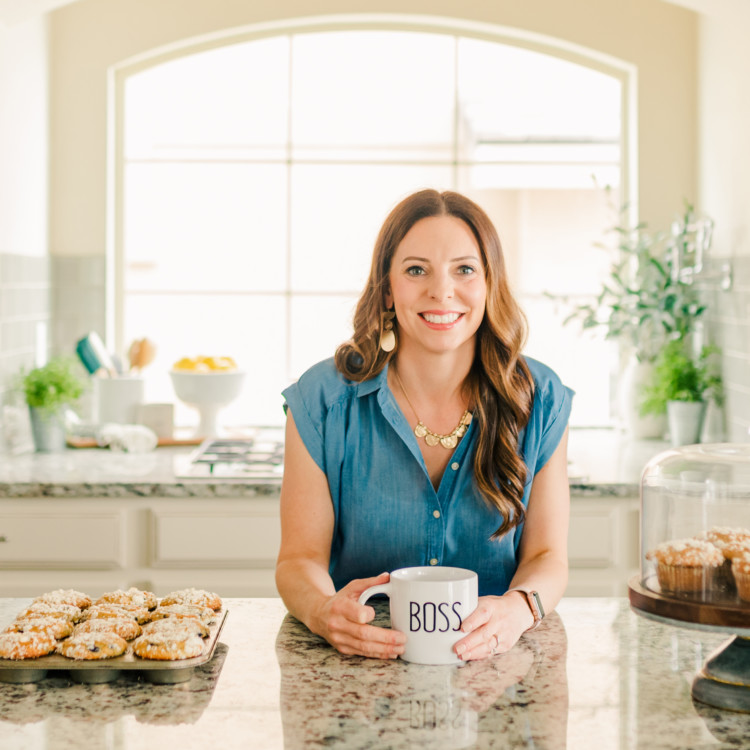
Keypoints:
pixel 441 319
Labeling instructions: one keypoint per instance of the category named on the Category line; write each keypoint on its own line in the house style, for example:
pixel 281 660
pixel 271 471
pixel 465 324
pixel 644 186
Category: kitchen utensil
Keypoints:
pixel 87 355
pixel 94 355
pixel 141 353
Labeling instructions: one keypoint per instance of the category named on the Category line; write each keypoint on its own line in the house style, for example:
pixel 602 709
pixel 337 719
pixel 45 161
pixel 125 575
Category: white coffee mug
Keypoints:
pixel 429 604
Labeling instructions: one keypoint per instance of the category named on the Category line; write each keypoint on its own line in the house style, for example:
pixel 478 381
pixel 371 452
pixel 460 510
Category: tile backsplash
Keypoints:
pixel 49 303
pixel 25 314
pixel 729 323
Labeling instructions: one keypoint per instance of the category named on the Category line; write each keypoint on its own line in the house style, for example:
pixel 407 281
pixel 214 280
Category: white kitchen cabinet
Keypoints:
pixel 230 537
pixel 69 539
pixel 227 545
pixel 603 545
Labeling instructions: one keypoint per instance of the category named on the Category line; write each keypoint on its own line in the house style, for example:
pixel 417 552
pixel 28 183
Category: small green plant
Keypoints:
pixel 679 377
pixel 53 385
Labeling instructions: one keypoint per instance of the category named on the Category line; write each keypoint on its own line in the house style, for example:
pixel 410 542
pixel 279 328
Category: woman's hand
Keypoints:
pixel 342 621
pixel 494 626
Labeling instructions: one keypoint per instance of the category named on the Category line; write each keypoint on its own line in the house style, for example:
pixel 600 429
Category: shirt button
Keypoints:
pixel 433 561
pixel 454 466
pixel 436 513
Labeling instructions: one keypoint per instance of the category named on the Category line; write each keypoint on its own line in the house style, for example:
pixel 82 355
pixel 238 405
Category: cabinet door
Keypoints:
pixel 68 539
pixel 222 538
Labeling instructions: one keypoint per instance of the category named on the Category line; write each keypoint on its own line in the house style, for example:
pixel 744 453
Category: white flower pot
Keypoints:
pixel 48 429
pixel 685 421
pixel 630 388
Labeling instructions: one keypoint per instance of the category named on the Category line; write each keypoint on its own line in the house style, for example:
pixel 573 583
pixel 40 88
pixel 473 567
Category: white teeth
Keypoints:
pixel 449 318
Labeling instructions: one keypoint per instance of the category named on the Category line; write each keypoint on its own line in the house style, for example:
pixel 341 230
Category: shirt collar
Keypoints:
pixel 373 384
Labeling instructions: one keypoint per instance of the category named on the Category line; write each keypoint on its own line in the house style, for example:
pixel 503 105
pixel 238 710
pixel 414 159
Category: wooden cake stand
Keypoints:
pixel 724 680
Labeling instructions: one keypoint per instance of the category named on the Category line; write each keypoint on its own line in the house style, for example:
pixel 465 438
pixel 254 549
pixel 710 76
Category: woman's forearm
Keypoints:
pixel 304 585
pixel 547 574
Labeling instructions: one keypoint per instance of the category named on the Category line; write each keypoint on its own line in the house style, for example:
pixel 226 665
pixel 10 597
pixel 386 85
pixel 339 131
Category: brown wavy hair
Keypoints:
pixel 500 385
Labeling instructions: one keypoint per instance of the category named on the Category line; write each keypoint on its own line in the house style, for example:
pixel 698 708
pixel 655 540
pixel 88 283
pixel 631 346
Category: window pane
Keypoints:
pixel 533 95
pixel 336 215
pixel 373 88
pixel 205 226
pixel 584 363
pixel 549 238
pixel 561 229
pixel 260 196
pixel 248 328
pixel 319 325
pixel 230 97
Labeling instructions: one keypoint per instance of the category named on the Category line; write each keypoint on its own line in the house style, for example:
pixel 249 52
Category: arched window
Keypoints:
pixel 253 177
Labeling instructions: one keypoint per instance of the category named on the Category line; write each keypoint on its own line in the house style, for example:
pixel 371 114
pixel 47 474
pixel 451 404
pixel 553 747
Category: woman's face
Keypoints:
pixel 438 286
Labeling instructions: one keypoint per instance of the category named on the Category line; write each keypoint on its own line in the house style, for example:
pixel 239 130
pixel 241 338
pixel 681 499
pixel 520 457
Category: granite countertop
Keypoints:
pixel 602 462
pixel 593 675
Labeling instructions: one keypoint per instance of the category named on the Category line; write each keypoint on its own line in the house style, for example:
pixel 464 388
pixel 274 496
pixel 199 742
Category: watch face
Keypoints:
pixel 538 604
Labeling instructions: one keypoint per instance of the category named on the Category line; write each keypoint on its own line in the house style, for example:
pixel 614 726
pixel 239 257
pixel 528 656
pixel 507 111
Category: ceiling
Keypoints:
pixel 18 11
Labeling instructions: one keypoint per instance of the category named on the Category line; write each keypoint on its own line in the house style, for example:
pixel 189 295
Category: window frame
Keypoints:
pixel 625 73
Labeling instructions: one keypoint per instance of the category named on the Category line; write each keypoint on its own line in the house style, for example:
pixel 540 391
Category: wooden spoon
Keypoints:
pixel 140 354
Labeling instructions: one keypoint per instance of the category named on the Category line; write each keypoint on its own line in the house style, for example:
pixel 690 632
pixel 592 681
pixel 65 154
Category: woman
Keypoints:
pixel 428 440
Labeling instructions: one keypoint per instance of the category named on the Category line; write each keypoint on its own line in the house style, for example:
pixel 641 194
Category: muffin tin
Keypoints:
pixel 107 670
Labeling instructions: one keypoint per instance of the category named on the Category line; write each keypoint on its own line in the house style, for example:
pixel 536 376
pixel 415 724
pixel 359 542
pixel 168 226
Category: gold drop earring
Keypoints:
pixel 387 334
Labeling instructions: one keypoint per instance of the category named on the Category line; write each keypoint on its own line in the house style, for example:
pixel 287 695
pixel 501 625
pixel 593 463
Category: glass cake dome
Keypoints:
pixel 695 558
pixel 695 517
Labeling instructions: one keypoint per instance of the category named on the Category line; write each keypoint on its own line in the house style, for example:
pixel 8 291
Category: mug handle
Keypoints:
pixel 383 588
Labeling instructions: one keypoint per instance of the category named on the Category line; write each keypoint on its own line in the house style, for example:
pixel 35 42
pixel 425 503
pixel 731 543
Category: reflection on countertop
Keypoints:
pixel 601 462
pixel 594 674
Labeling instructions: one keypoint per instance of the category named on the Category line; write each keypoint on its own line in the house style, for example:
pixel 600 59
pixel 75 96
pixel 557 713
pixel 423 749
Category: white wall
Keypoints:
pixel 89 36
pixel 23 138
pixel 724 132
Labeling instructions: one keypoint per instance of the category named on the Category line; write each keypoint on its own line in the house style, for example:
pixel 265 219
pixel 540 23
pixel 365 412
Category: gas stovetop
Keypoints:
pixel 260 457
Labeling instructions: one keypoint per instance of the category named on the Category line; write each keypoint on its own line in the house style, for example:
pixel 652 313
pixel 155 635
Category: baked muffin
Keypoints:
pixel 189 625
pixel 28 645
pixel 197 597
pixel 132 598
pixel 57 627
pixel 66 596
pixel 741 573
pixel 168 645
pixel 126 629
pixel 686 565
pixel 731 542
pixel 96 645
pixel 45 609
pixel 204 614
pixel 105 611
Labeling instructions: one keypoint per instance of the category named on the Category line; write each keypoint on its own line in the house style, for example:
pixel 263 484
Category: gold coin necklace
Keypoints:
pixel 432 439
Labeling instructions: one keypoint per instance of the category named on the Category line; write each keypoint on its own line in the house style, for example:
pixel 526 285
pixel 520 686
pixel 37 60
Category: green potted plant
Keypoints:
pixel 680 387
pixel 48 390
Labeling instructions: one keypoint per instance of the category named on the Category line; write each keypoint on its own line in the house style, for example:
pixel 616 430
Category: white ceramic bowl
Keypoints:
pixel 208 392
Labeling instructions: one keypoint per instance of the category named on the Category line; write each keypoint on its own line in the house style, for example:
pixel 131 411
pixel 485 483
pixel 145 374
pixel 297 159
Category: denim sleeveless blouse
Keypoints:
pixel 387 513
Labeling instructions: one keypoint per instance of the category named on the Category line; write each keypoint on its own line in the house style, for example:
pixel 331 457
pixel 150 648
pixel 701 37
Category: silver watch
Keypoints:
pixel 535 605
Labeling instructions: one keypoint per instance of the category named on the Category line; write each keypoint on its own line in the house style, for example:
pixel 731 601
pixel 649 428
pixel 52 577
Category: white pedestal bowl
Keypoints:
pixel 209 393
